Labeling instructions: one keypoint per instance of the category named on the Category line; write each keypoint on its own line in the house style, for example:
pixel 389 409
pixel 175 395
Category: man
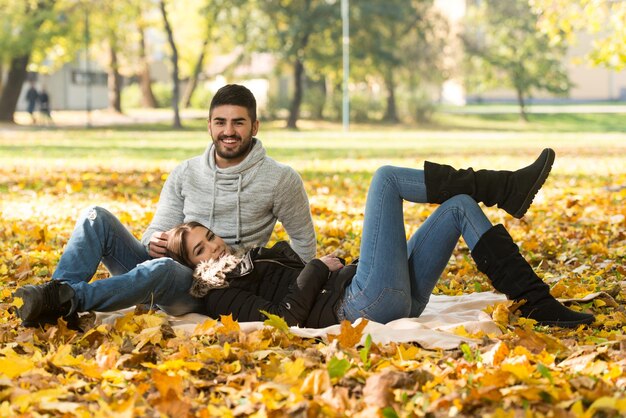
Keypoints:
pixel 233 188
pixel 31 98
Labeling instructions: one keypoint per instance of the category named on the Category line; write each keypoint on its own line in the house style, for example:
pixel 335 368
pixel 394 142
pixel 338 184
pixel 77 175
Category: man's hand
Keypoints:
pixel 332 262
pixel 157 244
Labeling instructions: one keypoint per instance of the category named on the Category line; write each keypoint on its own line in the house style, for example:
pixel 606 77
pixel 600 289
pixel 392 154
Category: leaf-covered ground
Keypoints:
pixel 574 235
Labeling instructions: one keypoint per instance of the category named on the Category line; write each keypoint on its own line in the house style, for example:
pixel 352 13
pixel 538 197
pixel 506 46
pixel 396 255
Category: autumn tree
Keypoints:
pixel 505 48
pixel 23 30
pixel 143 63
pixel 174 58
pixel 294 28
pixel 112 24
pixel 605 20
pixel 204 29
pixel 400 41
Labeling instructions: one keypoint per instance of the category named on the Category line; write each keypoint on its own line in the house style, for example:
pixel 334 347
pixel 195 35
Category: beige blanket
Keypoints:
pixel 433 329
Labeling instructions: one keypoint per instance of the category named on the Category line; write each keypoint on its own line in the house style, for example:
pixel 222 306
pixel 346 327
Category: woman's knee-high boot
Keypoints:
pixel 497 256
pixel 512 191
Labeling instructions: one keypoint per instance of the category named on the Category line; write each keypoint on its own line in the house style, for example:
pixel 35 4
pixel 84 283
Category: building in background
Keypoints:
pixel 75 86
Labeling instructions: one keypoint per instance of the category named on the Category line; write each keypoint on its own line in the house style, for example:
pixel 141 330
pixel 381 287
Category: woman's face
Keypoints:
pixel 203 245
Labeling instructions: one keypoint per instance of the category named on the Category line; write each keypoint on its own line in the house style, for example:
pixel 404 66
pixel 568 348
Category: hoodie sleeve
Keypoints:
pixel 292 209
pixel 246 306
pixel 169 211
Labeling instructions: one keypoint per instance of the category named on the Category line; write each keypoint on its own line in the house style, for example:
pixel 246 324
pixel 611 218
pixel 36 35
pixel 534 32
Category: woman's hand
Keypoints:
pixel 332 262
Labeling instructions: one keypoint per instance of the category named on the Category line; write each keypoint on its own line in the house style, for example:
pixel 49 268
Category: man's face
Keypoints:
pixel 232 130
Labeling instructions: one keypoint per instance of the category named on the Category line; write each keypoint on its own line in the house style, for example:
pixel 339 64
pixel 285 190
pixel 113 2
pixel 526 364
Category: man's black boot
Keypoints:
pixel 512 191
pixel 497 256
pixel 45 303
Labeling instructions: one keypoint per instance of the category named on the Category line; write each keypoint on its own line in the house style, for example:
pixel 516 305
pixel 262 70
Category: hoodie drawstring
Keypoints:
pixel 213 200
pixel 238 239
pixel 238 208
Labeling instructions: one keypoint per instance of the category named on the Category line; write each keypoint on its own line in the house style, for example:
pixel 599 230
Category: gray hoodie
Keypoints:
pixel 241 204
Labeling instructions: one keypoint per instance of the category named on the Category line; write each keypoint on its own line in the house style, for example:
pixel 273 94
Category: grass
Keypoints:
pixel 447 136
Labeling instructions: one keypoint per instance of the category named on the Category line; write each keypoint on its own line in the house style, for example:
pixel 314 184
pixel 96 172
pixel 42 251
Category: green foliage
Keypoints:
pixel 604 20
pixel 276 322
pixel 398 45
pixel 504 48
pixel 201 98
pixel 337 367
pixel 42 29
pixel 364 353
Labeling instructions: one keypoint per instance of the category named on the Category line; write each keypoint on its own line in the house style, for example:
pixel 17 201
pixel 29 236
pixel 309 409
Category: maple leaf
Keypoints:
pixel 276 322
pixel 338 367
pixel 349 336
pixel 205 326
pixel 172 405
pixel 378 387
pixel 228 325
pixel 12 365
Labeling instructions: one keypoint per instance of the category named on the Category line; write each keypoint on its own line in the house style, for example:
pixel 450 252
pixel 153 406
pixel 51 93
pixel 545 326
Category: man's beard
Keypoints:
pixel 239 152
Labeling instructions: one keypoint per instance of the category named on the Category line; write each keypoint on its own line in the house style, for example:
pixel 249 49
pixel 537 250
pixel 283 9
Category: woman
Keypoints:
pixel 393 278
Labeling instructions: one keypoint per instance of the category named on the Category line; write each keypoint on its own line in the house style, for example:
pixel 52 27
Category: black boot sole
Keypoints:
pixel 545 172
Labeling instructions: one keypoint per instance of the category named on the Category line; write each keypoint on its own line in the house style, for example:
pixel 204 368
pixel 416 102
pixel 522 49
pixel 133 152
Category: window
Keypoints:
pixel 92 78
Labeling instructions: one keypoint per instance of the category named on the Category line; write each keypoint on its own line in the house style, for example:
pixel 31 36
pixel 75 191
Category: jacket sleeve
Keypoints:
pixel 169 211
pixel 295 307
pixel 292 209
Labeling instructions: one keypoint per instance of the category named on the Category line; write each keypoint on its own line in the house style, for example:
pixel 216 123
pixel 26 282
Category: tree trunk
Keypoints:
pixel 391 113
pixel 13 87
pixel 522 105
pixel 114 81
pixel 175 89
pixel 145 82
pixel 318 110
pixel 294 110
pixel 193 80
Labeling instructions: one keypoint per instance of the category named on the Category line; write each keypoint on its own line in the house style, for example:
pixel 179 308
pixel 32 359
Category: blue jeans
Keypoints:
pixel 136 278
pixel 395 278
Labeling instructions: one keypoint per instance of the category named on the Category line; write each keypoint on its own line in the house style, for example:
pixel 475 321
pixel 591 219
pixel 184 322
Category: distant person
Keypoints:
pixel 44 106
pixel 233 188
pixel 31 98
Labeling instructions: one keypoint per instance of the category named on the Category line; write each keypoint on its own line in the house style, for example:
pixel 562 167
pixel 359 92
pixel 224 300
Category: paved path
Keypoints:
pixel 539 108
pixel 99 118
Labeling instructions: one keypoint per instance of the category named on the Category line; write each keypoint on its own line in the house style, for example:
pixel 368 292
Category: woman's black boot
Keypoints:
pixel 512 191
pixel 497 256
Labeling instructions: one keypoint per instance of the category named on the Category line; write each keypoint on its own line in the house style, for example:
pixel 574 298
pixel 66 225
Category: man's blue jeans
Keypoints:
pixel 136 278
pixel 395 278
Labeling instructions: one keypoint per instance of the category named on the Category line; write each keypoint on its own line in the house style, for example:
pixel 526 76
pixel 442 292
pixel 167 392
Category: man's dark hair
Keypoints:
pixel 237 95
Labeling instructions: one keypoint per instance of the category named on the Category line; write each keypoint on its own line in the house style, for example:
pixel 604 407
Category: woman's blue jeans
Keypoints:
pixel 136 278
pixel 395 278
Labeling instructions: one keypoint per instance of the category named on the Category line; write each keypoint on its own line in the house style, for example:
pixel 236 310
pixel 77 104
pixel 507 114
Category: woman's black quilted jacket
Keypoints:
pixel 277 281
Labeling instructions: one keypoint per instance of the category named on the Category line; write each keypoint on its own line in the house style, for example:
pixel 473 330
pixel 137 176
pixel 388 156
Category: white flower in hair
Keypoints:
pixel 212 274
